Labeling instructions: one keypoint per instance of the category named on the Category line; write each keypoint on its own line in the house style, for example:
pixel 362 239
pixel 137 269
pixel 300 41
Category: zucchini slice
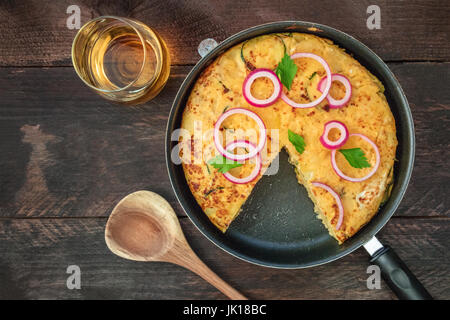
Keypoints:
pixel 265 51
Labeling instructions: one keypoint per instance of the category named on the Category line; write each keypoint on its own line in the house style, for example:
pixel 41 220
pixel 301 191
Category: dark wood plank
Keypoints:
pixel 35 253
pixel 34 33
pixel 425 85
pixel 87 153
pixel 68 152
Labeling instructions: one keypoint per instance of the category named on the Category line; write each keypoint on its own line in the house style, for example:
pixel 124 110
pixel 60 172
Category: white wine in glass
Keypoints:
pixel 121 59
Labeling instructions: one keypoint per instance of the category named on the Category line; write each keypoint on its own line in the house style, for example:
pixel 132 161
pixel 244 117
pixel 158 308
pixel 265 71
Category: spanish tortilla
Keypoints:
pixel 219 88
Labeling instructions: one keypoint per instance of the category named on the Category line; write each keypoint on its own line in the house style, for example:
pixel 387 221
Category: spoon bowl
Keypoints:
pixel 142 227
pixel 138 236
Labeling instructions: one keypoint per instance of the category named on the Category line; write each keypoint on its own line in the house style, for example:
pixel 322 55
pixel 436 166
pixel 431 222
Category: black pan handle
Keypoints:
pixel 397 275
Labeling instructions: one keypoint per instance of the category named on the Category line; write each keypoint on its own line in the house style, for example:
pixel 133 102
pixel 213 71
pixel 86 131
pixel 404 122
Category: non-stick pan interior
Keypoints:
pixel 277 226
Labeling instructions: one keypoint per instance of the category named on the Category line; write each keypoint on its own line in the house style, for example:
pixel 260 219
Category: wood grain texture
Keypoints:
pixel 87 153
pixel 35 253
pixel 34 32
pixel 425 87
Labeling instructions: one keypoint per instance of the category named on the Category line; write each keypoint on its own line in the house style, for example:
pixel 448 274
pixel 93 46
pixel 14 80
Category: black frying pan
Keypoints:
pixel 278 227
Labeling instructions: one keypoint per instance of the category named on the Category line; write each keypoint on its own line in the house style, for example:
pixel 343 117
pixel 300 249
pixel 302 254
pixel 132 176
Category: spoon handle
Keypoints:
pixel 189 260
pixel 206 273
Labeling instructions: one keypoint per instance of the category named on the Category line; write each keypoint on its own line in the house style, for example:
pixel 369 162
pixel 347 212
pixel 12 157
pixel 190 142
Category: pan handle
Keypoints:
pixel 397 275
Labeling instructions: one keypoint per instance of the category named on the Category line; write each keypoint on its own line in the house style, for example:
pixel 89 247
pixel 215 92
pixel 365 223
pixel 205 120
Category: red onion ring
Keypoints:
pixel 255 172
pixel 334 104
pixel 336 197
pixel 327 143
pixel 285 98
pixel 375 167
pixel 262 134
pixel 261 73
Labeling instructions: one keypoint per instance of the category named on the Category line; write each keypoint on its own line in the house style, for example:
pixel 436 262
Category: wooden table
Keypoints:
pixel 67 156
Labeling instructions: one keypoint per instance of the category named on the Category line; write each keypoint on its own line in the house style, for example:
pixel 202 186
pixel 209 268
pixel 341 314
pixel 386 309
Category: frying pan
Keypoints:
pixel 277 226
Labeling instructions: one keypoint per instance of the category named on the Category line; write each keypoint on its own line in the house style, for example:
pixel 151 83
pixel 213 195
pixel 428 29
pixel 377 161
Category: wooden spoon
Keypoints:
pixel 144 227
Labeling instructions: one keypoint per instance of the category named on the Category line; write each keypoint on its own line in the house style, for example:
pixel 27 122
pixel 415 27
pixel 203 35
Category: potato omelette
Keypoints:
pixel 219 89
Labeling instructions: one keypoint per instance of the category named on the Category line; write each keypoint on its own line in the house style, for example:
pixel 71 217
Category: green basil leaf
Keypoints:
pixel 223 164
pixel 355 157
pixel 286 71
pixel 297 140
